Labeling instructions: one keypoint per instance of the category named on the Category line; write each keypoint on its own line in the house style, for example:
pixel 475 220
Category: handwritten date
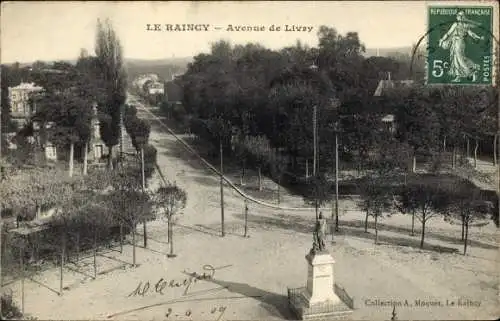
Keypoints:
pixel 217 309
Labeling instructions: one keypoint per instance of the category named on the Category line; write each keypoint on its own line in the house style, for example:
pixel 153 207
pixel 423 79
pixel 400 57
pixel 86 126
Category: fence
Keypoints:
pixel 342 294
pixel 296 297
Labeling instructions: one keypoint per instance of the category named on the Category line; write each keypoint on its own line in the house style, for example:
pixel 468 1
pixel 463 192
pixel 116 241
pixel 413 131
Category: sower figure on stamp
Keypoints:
pixel 461 66
pixel 319 235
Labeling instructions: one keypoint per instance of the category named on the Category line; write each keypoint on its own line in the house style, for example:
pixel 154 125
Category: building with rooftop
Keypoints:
pixel 383 87
pixel 23 102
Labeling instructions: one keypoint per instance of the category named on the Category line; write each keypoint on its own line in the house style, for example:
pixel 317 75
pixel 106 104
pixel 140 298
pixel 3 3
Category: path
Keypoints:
pixel 258 269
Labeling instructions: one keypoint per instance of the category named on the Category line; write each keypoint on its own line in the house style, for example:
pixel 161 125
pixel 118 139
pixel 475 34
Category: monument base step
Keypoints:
pixel 297 300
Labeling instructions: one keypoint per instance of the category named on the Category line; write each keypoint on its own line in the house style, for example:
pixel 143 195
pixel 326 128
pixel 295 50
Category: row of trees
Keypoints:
pixel 101 200
pixel 425 197
pixel 249 90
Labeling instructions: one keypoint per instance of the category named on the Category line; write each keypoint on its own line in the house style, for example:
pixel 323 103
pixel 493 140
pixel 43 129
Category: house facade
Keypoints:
pixel 156 87
pixel 97 151
pixel 23 102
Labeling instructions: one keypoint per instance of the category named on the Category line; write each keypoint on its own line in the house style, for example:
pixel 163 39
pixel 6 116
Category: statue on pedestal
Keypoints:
pixel 319 235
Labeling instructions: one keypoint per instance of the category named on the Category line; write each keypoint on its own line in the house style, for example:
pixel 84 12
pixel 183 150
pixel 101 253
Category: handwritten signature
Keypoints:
pixel 144 288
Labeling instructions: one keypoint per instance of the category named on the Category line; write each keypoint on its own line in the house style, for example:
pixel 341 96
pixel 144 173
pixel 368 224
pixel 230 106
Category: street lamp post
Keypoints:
pixel 315 130
pixel 315 139
pixel 335 209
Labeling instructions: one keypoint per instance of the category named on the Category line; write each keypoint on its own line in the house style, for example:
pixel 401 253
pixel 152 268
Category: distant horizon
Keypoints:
pixel 386 49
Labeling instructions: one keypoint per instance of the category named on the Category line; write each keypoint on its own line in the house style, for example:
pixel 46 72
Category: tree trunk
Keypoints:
pixel 466 236
pixel 376 229
pixel 414 164
pixel 246 218
pixel 38 211
pixel 95 252
pixel 85 158
pixel 77 246
pixel 316 206
pixel 468 147
pixel 168 229
pixel 444 144
pixel 413 223
pixel 495 159
pixel 260 179
pixel 21 258
pixel 476 146
pixel 366 222
pixel 423 231
pixel 463 225
pixel 63 254
pixel 133 245
pixel 279 183
pixel 110 157
pixel 121 238
pixel 307 168
pixel 242 177
pixel 454 157
pixel 71 158
pixel 171 237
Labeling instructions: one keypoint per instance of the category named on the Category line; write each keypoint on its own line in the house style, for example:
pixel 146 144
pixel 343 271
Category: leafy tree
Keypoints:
pixel 429 198
pixel 110 63
pixel 408 204
pixel 259 149
pixel 127 202
pixel 319 192
pixel 376 199
pixel 417 123
pixel 36 187
pixel 278 165
pixel 468 206
pixel 172 199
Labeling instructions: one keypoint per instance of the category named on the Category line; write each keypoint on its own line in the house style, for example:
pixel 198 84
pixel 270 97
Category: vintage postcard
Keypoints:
pixel 250 160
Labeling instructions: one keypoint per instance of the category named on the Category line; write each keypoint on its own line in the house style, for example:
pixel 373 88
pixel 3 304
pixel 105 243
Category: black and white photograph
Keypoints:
pixel 250 160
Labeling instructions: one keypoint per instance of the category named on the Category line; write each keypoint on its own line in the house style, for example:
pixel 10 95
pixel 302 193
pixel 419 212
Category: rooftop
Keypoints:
pixel 27 86
pixel 389 83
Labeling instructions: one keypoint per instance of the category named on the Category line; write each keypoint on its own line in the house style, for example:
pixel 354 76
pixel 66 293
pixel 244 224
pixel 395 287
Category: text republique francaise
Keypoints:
pixel 229 27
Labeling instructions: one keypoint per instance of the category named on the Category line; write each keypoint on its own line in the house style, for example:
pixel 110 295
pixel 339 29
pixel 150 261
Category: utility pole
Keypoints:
pixel 144 192
pixel 221 189
pixel 336 181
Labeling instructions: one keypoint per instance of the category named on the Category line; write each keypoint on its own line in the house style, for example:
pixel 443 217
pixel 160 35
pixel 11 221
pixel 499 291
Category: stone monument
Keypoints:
pixel 321 298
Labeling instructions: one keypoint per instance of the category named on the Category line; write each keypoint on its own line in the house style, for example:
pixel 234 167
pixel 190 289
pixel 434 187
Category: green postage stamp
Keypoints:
pixel 460 45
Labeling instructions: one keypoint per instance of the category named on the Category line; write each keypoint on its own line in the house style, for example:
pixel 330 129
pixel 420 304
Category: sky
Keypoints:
pixel 58 30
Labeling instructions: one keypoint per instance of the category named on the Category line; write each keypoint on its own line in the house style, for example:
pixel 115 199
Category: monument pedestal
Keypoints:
pixel 319 286
pixel 318 299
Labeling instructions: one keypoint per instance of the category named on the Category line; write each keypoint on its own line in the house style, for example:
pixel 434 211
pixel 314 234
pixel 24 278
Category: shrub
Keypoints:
pixel 9 309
